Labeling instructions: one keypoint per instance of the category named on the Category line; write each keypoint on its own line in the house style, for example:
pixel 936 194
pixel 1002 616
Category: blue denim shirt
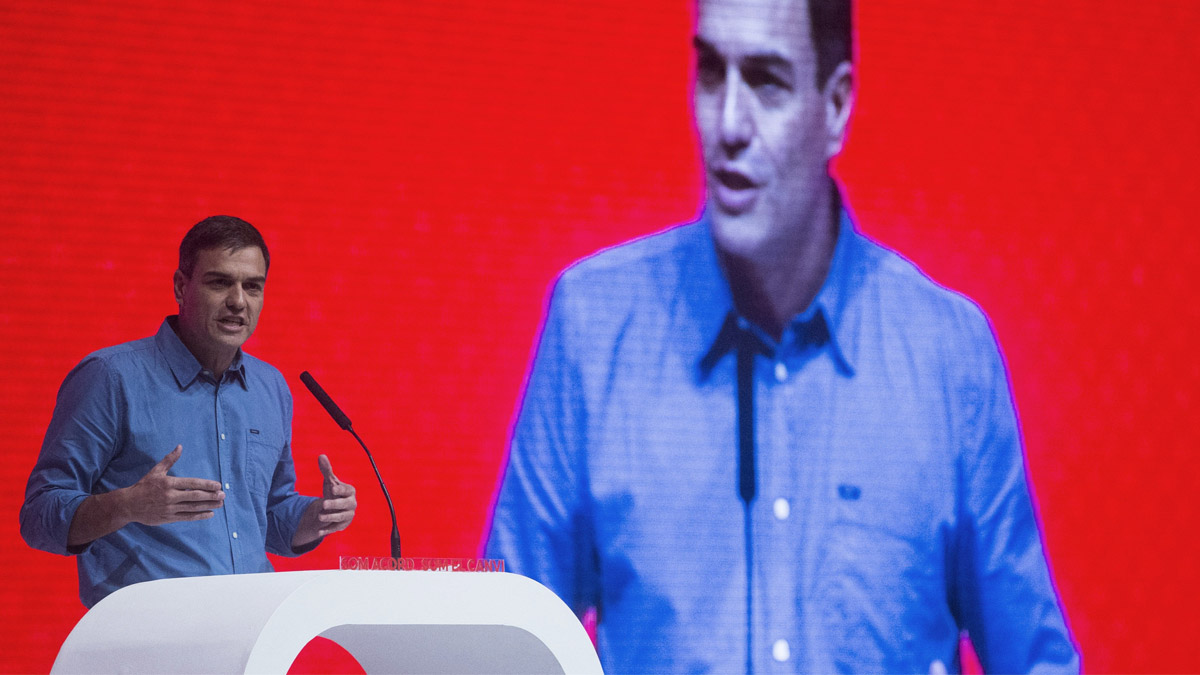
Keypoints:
pixel 892 509
pixel 124 408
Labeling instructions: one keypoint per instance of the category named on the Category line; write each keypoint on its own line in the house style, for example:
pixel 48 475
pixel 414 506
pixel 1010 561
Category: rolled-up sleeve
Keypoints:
pixel 79 443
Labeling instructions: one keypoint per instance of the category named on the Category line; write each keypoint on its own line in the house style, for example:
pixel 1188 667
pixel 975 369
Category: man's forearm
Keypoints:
pixel 97 516
pixel 309 528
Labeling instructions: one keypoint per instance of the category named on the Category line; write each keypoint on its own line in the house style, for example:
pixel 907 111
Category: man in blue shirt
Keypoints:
pixel 103 490
pixel 761 442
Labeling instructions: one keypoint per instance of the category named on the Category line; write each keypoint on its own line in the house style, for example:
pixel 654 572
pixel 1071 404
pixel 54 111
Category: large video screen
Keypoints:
pixel 423 172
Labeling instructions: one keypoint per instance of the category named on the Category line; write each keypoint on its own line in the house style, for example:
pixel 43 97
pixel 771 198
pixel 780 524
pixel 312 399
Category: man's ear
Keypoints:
pixel 179 280
pixel 838 94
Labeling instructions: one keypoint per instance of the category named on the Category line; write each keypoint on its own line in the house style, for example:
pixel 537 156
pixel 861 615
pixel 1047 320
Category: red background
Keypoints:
pixel 422 171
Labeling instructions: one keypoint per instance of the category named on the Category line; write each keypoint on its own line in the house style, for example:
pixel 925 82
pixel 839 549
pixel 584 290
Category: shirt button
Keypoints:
pixel 235 535
pixel 782 508
pixel 227 486
pixel 222 436
pixel 780 372
pixel 781 651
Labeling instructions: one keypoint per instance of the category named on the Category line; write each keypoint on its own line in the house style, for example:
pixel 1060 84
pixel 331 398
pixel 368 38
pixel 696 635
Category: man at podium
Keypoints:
pixel 171 456
pixel 761 442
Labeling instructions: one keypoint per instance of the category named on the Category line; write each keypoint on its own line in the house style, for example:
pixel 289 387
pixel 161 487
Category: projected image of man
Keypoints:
pixel 761 442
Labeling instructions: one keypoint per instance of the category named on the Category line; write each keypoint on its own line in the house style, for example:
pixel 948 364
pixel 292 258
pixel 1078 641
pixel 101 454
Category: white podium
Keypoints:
pixel 390 621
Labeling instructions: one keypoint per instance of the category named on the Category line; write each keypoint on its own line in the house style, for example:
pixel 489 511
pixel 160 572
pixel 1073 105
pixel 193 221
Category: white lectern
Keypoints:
pixel 390 621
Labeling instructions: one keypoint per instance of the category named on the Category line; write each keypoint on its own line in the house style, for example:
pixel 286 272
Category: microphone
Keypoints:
pixel 330 407
pixel 344 422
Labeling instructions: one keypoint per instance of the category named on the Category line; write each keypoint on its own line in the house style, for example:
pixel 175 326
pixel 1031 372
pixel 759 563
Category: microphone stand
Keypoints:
pixel 344 422
pixel 387 497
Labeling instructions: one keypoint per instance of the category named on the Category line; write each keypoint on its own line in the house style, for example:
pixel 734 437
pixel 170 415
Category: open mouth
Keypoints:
pixel 734 180
pixel 734 192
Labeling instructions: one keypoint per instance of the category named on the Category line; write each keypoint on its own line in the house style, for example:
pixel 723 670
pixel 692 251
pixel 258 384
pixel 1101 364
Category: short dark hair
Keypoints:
pixel 832 35
pixel 224 232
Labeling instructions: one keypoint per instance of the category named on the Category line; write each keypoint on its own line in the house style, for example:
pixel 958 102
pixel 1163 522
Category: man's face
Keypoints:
pixel 766 129
pixel 219 304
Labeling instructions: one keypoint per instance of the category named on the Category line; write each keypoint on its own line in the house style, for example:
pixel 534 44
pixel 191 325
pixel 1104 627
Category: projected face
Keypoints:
pixel 765 128
pixel 219 304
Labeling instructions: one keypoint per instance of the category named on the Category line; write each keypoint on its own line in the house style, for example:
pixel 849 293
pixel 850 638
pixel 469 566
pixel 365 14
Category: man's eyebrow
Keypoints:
pixel 213 275
pixel 767 58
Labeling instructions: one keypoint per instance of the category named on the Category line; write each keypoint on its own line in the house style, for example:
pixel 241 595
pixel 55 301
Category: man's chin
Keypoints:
pixel 233 341
pixel 743 234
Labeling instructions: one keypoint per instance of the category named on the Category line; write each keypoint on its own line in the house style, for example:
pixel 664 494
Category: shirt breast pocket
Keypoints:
pixel 890 521
pixel 883 581
pixel 260 460
pixel 885 548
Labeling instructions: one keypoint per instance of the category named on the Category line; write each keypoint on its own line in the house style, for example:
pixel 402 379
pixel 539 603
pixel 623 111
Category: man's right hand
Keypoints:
pixel 155 499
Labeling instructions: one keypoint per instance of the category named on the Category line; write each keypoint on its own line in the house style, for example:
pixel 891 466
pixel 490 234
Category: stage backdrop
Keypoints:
pixel 423 170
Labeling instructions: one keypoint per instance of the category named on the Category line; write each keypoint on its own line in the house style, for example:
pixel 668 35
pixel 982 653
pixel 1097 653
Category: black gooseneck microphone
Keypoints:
pixel 344 422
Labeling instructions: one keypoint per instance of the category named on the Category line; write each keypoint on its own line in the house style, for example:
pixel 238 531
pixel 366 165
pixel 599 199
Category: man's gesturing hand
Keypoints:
pixel 155 499
pixel 331 513
pixel 158 498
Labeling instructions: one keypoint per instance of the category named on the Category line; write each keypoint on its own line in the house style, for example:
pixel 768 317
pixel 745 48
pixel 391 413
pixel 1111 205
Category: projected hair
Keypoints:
pixel 832 34
pixel 223 232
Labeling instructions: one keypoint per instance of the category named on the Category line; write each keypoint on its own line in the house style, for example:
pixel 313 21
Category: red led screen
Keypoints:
pixel 423 170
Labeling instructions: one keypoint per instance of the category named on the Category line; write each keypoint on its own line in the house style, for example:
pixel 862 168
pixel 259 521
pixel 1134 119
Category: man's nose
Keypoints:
pixel 236 298
pixel 737 123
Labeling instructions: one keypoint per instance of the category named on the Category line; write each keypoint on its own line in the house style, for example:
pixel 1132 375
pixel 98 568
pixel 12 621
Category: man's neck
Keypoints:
pixel 774 284
pixel 215 363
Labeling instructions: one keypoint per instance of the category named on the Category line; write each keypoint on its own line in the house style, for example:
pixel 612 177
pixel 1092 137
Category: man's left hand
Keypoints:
pixel 332 512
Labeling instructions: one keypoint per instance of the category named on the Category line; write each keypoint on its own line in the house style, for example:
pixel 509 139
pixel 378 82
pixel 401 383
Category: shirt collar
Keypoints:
pixel 833 300
pixel 825 319
pixel 703 302
pixel 182 362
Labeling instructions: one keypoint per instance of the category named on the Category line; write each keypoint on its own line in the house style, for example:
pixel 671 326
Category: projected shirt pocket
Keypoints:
pixel 880 522
pixel 883 580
